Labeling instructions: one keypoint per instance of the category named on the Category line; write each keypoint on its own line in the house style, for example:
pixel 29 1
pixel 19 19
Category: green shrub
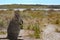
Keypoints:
pixel 36 31
pixel 2 32
pixel 1 23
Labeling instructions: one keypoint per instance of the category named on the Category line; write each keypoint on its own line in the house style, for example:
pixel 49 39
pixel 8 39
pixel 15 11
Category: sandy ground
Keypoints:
pixel 48 34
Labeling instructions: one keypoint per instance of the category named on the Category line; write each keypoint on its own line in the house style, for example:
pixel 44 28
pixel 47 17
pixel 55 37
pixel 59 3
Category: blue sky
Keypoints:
pixel 47 2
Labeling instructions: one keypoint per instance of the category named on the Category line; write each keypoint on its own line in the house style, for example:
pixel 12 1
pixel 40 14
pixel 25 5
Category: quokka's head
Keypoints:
pixel 16 14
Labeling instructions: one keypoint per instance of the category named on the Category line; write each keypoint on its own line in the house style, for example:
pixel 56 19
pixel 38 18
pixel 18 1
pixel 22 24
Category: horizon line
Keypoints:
pixel 28 4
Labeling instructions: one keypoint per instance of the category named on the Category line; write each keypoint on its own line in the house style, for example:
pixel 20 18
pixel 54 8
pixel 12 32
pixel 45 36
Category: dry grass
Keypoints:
pixel 30 18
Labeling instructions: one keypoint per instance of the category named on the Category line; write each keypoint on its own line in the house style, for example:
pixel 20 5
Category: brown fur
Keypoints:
pixel 13 28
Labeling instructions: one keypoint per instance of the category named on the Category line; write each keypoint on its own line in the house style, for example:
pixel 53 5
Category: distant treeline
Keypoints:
pixel 12 6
